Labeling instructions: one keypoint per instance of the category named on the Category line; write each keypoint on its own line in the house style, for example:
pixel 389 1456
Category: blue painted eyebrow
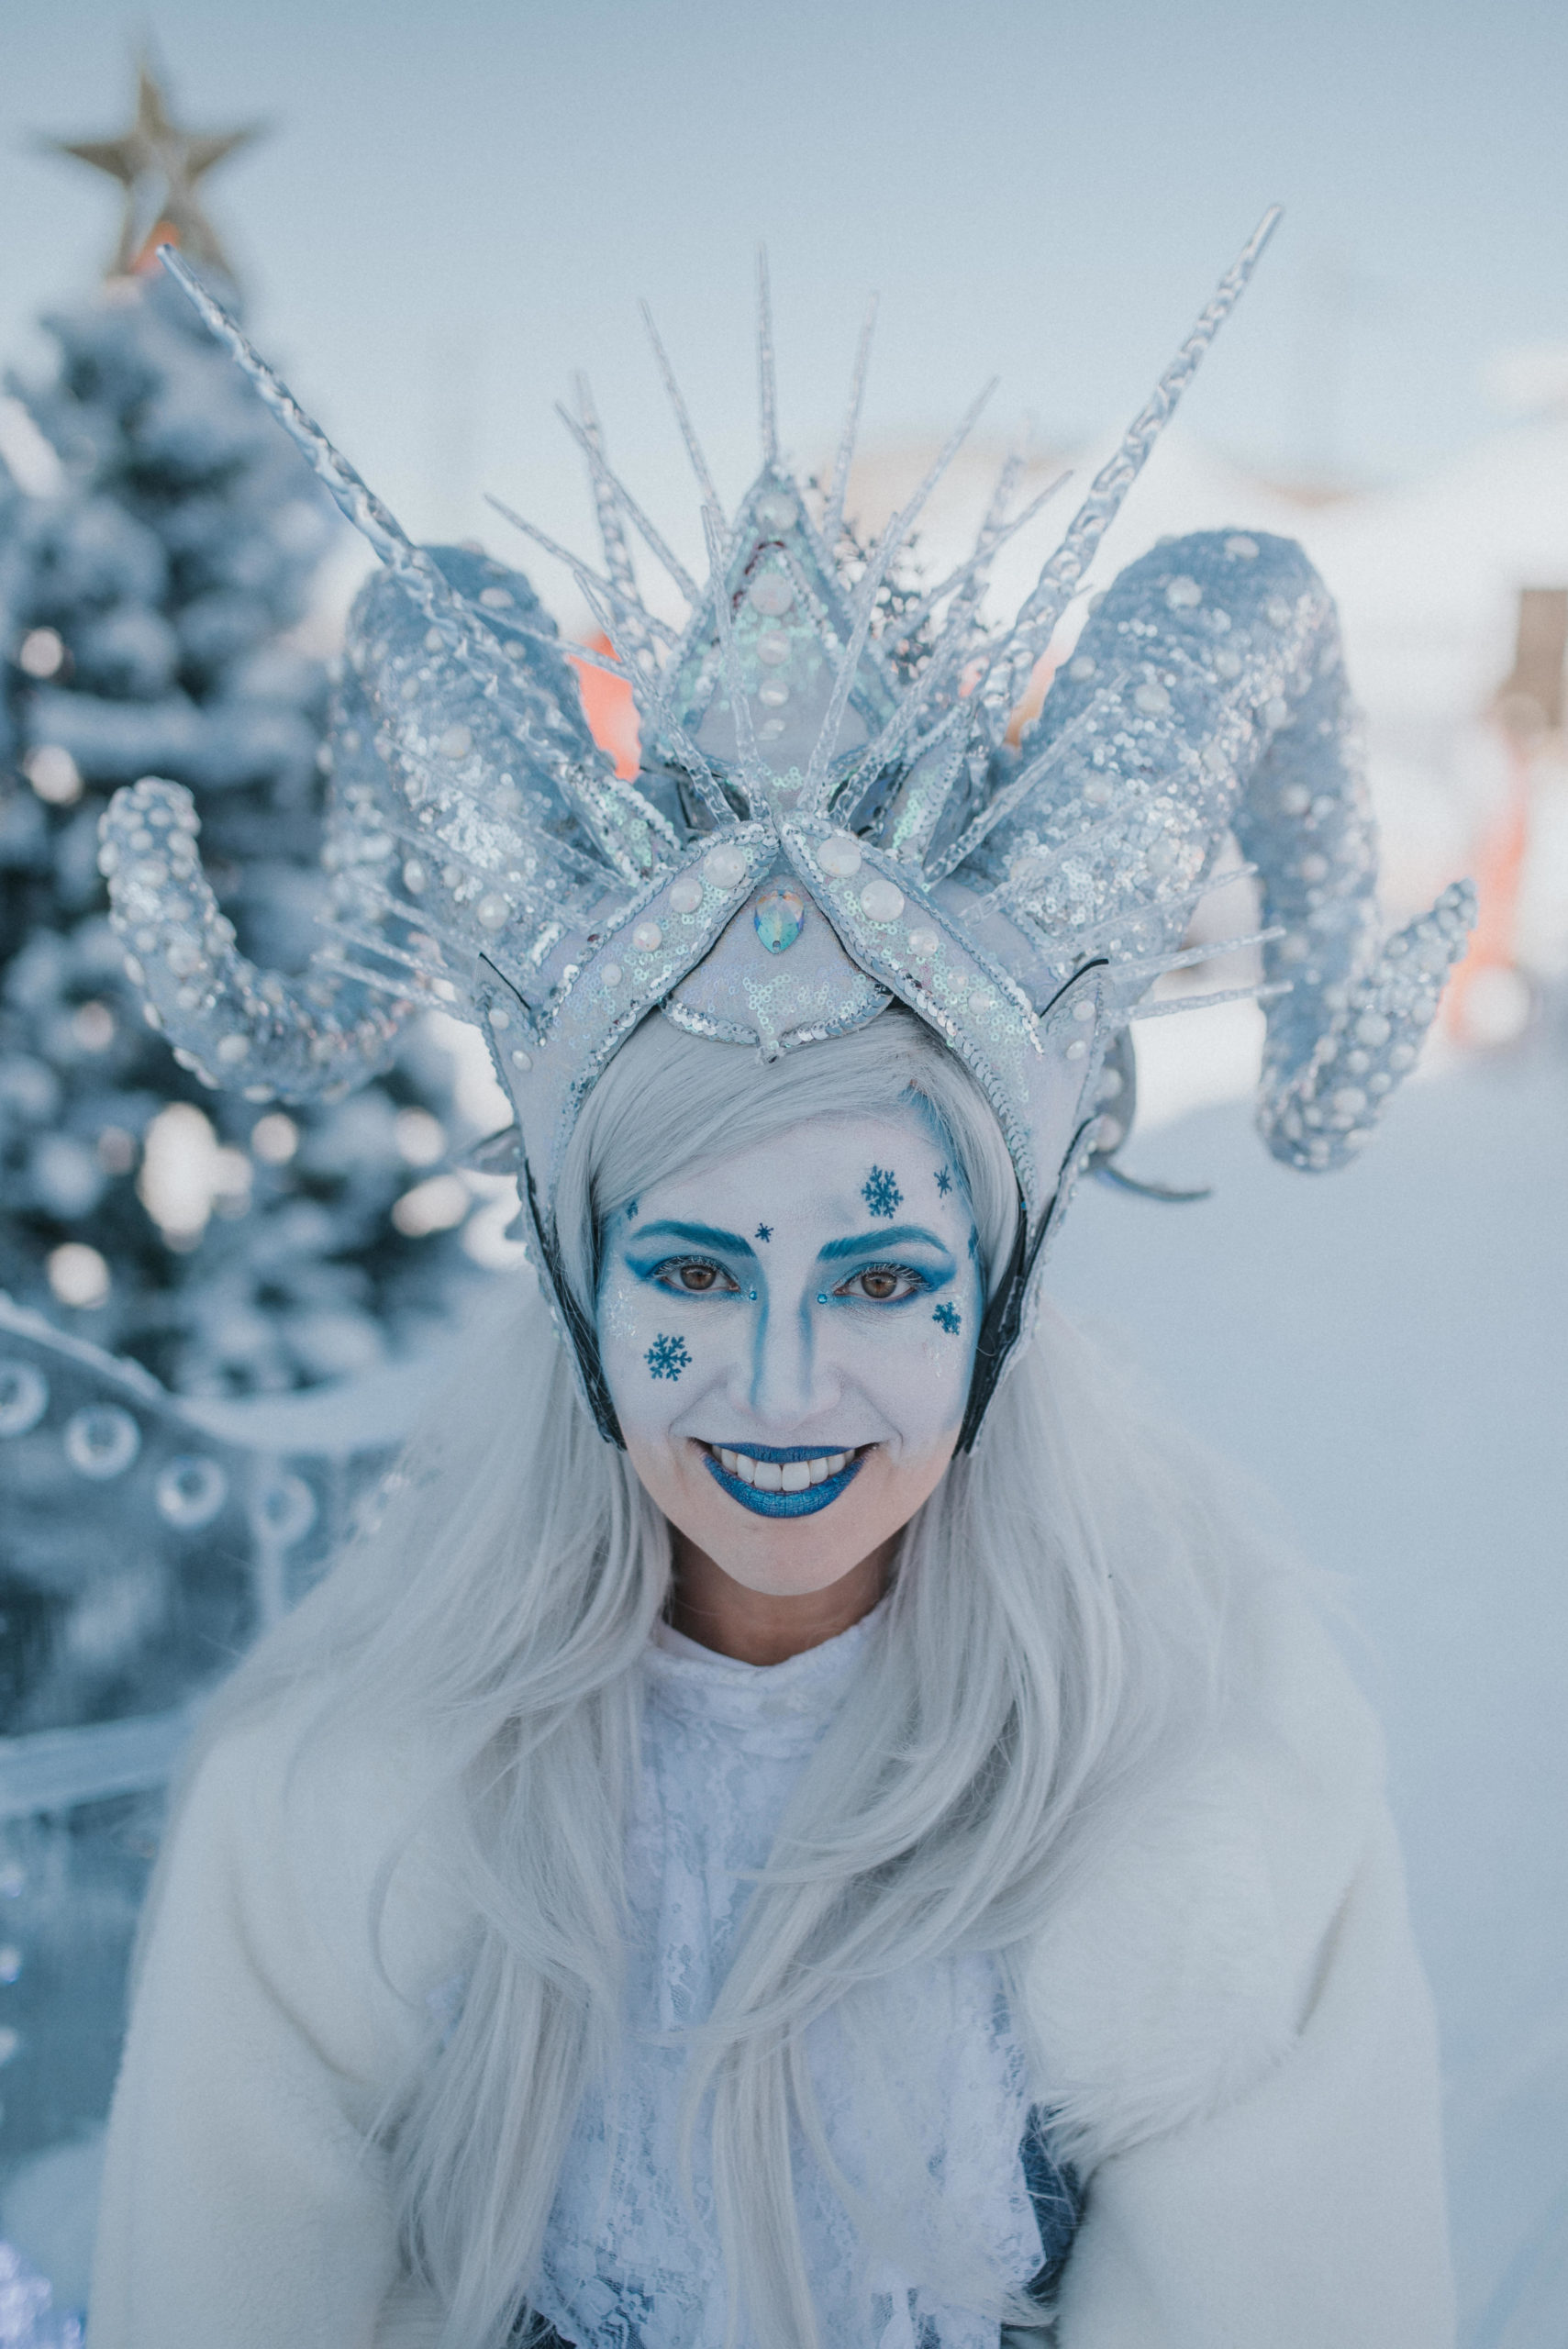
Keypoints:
pixel 693 1235
pixel 878 1243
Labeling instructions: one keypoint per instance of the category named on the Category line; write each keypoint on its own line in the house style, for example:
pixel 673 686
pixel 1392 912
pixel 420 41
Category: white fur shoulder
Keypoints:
pixel 1178 1973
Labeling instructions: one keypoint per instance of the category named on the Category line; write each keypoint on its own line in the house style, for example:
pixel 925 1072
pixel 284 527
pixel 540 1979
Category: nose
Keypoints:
pixel 789 1382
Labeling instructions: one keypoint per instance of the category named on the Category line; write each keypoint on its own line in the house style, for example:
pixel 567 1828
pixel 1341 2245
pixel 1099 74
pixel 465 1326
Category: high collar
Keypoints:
pixel 784 1706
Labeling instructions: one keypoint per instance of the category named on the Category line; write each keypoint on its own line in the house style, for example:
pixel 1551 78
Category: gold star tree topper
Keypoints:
pixel 159 164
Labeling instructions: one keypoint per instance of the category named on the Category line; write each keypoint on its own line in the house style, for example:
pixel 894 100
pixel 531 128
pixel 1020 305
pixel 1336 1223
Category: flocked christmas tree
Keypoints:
pixel 146 606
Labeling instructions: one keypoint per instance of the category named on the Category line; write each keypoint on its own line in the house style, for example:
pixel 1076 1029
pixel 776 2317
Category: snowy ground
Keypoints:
pixel 1388 1350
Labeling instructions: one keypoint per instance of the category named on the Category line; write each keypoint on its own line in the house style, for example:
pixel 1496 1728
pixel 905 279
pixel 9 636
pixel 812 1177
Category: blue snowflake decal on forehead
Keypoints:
pixel 881 1193
pixel 765 1232
pixel 944 1181
pixel 667 1356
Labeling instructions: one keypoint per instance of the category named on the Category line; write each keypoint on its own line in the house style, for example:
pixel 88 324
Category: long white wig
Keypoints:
pixel 1050 1641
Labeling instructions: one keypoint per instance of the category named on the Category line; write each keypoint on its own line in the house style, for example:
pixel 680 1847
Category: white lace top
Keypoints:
pixel 628 2262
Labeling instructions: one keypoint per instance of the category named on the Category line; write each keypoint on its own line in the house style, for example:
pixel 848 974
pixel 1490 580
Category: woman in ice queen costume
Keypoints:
pixel 811 1820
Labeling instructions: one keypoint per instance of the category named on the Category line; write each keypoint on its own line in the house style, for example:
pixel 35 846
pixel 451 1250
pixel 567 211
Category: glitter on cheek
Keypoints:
pixel 618 1316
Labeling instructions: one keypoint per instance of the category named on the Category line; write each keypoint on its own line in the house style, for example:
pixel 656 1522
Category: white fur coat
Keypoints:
pixel 1238 2038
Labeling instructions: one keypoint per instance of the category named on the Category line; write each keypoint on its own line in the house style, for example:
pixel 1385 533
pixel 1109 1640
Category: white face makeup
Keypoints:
pixel 787 1335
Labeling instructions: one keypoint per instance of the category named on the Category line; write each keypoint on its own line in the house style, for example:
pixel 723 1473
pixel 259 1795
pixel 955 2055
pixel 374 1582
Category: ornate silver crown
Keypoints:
pixel 828 816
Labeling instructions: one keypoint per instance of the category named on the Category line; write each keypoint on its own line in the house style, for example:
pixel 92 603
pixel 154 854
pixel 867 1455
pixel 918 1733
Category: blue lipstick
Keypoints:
pixel 763 1504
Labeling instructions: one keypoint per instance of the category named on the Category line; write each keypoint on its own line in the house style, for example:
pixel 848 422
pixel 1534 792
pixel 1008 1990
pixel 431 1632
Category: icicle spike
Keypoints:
pixel 1058 582
pixel 838 489
pixel 603 471
pixel 753 775
pixel 887 546
pixel 767 376
pixel 682 415
pixel 612 535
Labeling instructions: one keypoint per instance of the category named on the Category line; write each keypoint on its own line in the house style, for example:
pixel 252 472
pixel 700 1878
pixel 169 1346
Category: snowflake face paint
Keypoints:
pixel 789 1401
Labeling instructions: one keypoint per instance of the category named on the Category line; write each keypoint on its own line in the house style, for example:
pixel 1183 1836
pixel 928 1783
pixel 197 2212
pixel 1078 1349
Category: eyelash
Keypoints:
pixel 917 1282
pixel 667 1276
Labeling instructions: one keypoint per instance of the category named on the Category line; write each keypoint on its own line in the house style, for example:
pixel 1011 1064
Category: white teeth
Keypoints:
pixel 781 1476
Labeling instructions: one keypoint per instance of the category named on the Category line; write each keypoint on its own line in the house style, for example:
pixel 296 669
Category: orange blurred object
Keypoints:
pixel 610 711
pixel 1033 702
pixel 146 263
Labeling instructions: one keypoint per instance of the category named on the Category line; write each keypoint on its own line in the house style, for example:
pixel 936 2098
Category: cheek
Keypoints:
pixel 919 1371
pixel 655 1350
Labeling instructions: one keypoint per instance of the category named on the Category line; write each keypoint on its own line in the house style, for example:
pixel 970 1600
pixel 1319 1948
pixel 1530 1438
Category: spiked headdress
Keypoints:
pixel 828 816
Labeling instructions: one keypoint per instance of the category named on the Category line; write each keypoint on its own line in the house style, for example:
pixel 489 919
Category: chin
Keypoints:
pixel 789 1533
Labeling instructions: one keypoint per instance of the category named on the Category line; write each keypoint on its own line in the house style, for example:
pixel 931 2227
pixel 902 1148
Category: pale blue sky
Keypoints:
pixel 463 201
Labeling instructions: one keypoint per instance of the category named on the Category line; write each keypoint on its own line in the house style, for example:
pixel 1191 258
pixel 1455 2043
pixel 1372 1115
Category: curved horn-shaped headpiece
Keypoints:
pixel 828 816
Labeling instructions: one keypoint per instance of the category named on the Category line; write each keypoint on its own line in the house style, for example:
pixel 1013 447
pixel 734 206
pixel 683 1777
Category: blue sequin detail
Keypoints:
pixel 948 1318
pixel 881 1193
pixel 667 1357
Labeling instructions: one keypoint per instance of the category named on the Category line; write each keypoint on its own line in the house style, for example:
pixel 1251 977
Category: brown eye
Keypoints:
pixel 880 1285
pixel 698 1277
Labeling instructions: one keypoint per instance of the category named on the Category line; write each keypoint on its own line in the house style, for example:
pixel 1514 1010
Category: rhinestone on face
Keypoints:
pixel 840 855
pixel 772 594
pixel 772 647
pixel 880 901
pixel 648 938
pixel 725 866
pixel 685 895
pixel 778 916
